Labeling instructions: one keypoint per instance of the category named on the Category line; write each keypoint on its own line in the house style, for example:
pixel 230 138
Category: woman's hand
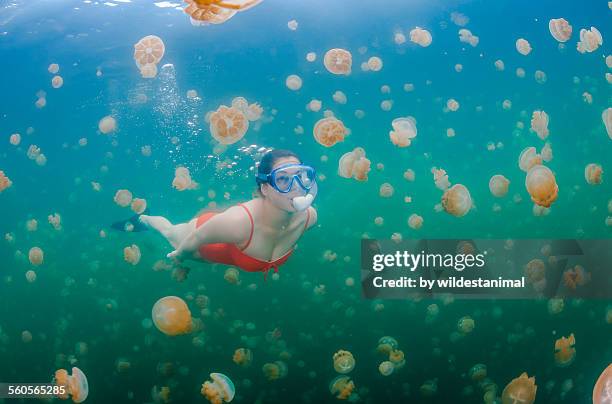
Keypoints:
pixel 177 255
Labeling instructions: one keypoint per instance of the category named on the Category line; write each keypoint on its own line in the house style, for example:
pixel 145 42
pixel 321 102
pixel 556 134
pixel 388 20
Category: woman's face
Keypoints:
pixel 278 199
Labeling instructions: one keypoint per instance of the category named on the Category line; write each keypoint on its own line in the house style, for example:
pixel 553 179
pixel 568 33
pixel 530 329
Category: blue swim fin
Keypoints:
pixel 138 227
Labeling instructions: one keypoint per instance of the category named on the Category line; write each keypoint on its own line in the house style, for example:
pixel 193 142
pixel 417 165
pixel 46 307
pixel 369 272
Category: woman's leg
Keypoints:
pixel 174 233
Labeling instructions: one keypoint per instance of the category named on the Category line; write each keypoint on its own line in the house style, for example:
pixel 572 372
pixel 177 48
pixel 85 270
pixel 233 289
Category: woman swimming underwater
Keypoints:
pixel 257 235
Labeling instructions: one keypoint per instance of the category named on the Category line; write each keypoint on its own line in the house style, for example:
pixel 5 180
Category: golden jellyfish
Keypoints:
pixel 220 390
pixel 172 316
pixel 354 165
pixel 542 186
pixel 440 178
pixel 148 71
pixel 242 357
pixel 498 185
pixel 55 220
pixel 30 276
pixel 521 390
pixel 452 105
pixel 274 371
pixel 399 38
pixel 292 25
pixel 123 198
pixel 253 112
pixel 53 68
pixel 415 221
pixel 341 387
pixel 386 368
pixel 204 12
pixel 606 117
pixel 232 276
pixel 138 205
pixel 228 125
pixel 293 82
pixel 565 352
pixel 478 372
pixel 523 47
pixel 314 105
pixel 593 173
pixel 75 386
pixel 386 190
pixel 149 50
pixel 182 179
pixel 529 158
pixel 589 40
pixel 375 63
pixel 465 325
pixel 107 125
pixel 574 277
pixel 602 391
pixel 344 361
pixel 421 37
pixel 560 29
pixel 457 200
pixel 520 72
pixel 429 388
pixel 555 305
pixel 499 65
pixel 15 139
pixel 539 124
pixel 404 130
pixel 329 131
pixel 311 57
pixel 57 81
pixel 338 61
pixel 535 271
pixel 5 181
pixel 339 97
pixel 546 153
pixel 131 254
pixel 36 256
pixel 386 345
pixel 466 36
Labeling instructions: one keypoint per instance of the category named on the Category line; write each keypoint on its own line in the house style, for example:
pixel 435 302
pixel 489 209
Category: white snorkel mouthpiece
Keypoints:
pixel 301 203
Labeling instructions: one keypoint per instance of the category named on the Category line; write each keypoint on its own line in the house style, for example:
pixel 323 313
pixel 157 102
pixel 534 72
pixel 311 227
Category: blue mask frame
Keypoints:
pixel 271 178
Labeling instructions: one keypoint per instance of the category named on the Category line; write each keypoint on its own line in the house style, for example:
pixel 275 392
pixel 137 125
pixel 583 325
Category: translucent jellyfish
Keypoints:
pixel 404 130
pixel 228 125
pixel 520 72
pixel 5 181
pixel 542 186
pixel 498 185
pixel 232 276
pixel 53 68
pixel 386 105
pixel 415 221
pixel 386 345
pixel 375 64
pixel 354 165
pixel 606 117
pixel 399 38
pixel 172 316
pixel 452 105
pixel 149 50
pixel 535 271
pixel 292 25
pixel 338 61
pixel 565 352
pixel 458 67
pixel 203 12
pixel 478 372
pixel 57 81
pixel 30 276
pixel 602 391
pixel 123 198
pixel 421 37
pixel 253 112
pixel 386 368
pixel 397 358
pixel 429 388
pixel 36 256
pixel 529 158
pixel 499 65
pixel 587 97
pixel 314 105
pixel 242 357
pixel 560 29
pixel 293 82
pixel 148 71
pixel 311 57
pixel 344 362
pixel 440 178
pixel 593 174
pixel 459 19
pixel 220 390
pixel 182 180
pixel 329 131
pixel 15 139
pixel 540 77
pixel 555 305
pixel 546 153
pixel 341 387
pixel 539 124
pixel 589 40
pixel 339 97
pixel 55 220
pixel 274 371
pixel 521 390
pixel 107 125
pixel 523 47
pixel 131 254
pixel 386 190
pixel 466 36
pixel 75 385
pixel 138 205
pixel 457 200
pixel 465 325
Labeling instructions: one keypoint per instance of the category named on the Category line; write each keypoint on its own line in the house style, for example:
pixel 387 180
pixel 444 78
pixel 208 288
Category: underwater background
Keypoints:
pixel 88 307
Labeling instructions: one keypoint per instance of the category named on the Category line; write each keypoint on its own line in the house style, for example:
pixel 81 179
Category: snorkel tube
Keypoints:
pixel 301 203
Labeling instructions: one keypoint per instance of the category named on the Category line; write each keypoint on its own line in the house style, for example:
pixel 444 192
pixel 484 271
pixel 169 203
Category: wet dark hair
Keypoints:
pixel 268 160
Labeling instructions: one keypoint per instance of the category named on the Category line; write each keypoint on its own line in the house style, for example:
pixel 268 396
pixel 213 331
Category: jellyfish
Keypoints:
pixel 5 181
pixel 204 12
pixel 523 47
pixel 457 200
pixel 148 50
pixel 565 352
pixel 535 271
pixel 420 36
pixel 386 190
pixel 344 362
pixel 243 357
pixel 57 81
pixel 274 371
pixel 30 276
pixel 589 40
pixel 478 372
pixel 396 357
pixel 339 97
pixel 311 57
pixel 593 173
pixel 329 131
pixel 541 185
pixel 74 386
pixel 466 36
pixel 555 305
pixel 529 158
pixel 415 221
pixel 138 205
pixel 148 71
pixel 452 105
pixel 342 387
pixel 172 316
pixel 338 61
pixel 220 390
pixel 107 125
pixel 386 368
pixel 293 82
pixel 539 124
pixel 314 105
pixel 429 388
pixel 131 254
pixel 232 276
pixel 123 198
pixel 560 29
pixel 386 345
pixel 354 165
pixel 36 256
pixel 53 68
pixel 465 325
pixel 182 179
pixel 228 125
pixel 498 185
pixel 375 64
pixel 521 390
pixel 55 220
pixel 292 25
pixel 15 139
pixel 404 129
pixel 602 391
pixel 546 153
pixel 253 112
pixel 606 117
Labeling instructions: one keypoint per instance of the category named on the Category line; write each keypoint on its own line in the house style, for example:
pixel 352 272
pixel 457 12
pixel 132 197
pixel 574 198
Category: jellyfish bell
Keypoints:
pixel 606 117
pixel 457 200
pixel 342 387
pixel 172 316
pixel 228 125
pixel 529 158
pixel 520 390
pixel 149 50
pixel 329 131
pixel 565 352
pixel 386 368
pixel 478 372
pixel 386 345
pixel 344 362
pixel 560 29
pixel 75 385
pixel 338 61
pixel 523 47
pixel 602 390
pixel 293 82
pixel 354 164
pixel 498 185
pixel 220 390
pixel 404 130
pixel 539 124
pixel 421 37
pixel 593 174
pixel 590 40
pixel 541 185
pixel 107 125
